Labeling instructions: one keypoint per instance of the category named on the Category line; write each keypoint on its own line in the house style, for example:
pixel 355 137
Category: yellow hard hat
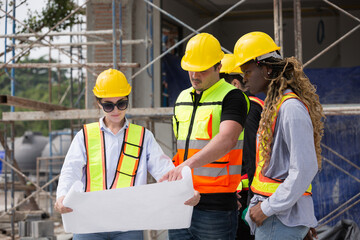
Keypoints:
pixel 228 65
pixel 111 83
pixel 253 45
pixel 202 52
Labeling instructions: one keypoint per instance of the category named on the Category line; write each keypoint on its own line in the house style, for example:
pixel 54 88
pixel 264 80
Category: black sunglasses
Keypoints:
pixel 109 106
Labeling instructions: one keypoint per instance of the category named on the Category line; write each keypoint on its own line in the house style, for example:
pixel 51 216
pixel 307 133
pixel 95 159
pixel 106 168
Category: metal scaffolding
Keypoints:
pixel 149 115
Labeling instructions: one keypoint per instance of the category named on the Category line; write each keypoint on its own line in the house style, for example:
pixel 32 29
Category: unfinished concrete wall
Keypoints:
pixel 336 24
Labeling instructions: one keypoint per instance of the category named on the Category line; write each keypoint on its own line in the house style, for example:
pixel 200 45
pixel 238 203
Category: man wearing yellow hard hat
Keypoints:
pixel 208 121
pixel 288 146
pixel 232 75
pixel 112 153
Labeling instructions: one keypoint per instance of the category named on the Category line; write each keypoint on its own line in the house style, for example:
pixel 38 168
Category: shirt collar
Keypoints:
pixel 103 127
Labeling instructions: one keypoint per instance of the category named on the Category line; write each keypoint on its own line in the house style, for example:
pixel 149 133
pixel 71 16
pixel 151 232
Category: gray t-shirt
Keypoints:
pixel 293 158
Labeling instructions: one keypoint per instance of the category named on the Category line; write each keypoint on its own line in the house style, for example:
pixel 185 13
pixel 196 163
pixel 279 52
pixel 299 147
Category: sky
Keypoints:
pixel 21 14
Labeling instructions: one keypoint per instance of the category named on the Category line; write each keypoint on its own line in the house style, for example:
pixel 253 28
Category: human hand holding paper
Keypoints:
pixel 59 206
pixel 124 209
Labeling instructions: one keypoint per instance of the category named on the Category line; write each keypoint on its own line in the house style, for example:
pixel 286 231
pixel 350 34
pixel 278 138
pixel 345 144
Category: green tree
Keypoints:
pixel 33 83
pixel 54 12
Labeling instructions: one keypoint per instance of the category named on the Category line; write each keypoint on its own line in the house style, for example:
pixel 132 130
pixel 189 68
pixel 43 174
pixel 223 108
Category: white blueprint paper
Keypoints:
pixel 154 206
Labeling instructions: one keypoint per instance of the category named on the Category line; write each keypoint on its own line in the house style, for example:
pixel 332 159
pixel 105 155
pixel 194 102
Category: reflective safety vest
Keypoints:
pixel 266 186
pixel 96 158
pixel 194 125
pixel 244 184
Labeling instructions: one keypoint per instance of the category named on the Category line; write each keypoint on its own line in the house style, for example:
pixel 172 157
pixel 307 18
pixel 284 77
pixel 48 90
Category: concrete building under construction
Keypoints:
pixel 146 39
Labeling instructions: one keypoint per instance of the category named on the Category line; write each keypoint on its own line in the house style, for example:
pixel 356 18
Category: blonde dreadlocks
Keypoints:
pixel 288 73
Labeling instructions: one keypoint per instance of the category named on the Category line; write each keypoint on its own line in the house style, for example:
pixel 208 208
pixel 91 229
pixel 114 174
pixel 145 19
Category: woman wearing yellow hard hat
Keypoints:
pixel 290 130
pixel 112 153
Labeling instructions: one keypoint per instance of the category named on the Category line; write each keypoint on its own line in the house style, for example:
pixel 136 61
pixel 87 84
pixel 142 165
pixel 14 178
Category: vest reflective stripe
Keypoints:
pixel 130 156
pixel 200 144
pixel 257 100
pixel 244 184
pixel 128 160
pixel 216 172
pixel 194 127
pixel 96 161
pixel 264 185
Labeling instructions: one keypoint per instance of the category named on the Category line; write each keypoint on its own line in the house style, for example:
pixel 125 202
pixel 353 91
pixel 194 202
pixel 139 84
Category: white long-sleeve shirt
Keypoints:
pixel 152 159
pixel 293 158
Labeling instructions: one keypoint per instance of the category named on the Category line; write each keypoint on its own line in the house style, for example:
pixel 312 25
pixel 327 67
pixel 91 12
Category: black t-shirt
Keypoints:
pixel 249 152
pixel 234 107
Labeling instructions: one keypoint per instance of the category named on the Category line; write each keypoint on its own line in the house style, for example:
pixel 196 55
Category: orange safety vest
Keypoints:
pixel 96 158
pixel 261 184
pixel 194 126
pixel 244 184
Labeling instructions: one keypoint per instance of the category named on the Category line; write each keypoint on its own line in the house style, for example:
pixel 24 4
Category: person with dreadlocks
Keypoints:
pixel 288 144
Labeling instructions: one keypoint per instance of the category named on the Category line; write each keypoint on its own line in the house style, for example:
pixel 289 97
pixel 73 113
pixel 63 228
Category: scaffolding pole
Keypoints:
pixel 298 31
pixel 278 25
pixel 340 39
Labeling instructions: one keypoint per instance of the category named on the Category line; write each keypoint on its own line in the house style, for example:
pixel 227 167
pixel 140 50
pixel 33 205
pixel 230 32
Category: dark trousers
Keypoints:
pixel 243 230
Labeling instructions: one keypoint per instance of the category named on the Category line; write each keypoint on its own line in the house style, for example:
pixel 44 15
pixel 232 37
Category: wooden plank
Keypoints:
pixel 28 103
pixel 84 114
pixel 68 65
pixel 329 109
pixel 18 186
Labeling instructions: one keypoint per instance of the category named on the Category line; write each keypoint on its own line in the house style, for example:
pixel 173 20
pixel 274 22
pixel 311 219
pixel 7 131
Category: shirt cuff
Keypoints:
pixel 265 207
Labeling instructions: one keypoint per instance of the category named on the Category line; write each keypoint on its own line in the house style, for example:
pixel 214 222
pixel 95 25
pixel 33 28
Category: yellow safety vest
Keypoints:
pixel 244 184
pixel 261 184
pixel 96 158
pixel 194 126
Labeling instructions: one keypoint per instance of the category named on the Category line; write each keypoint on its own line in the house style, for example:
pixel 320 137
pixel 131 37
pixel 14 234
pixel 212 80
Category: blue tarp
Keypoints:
pixel 333 187
pixel 2 156
pixel 175 77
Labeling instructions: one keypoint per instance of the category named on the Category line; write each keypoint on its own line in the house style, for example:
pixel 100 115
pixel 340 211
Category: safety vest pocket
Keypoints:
pixel 183 123
pixel 212 176
pixel 203 124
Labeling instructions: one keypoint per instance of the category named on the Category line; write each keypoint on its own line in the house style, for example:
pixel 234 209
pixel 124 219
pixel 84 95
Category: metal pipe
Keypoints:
pixel 39 34
pixel 179 21
pixel 20 173
pixel 5 130
pixel 150 48
pixel 71 74
pixel 67 65
pixel 278 25
pixel 338 208
pixel 298 31
pixel 61 21
pixel 120 28
pixel 341 169
pixel 31 195
pixel 340 156
pixel 340 39
pixel 72 44
pixel 114 33
pixel 342 10
pixel 31 30
pixel 281 28
pixel 12 133
pixel 184 39
pixel 332 45
pixel 50 171
pixel 12 82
